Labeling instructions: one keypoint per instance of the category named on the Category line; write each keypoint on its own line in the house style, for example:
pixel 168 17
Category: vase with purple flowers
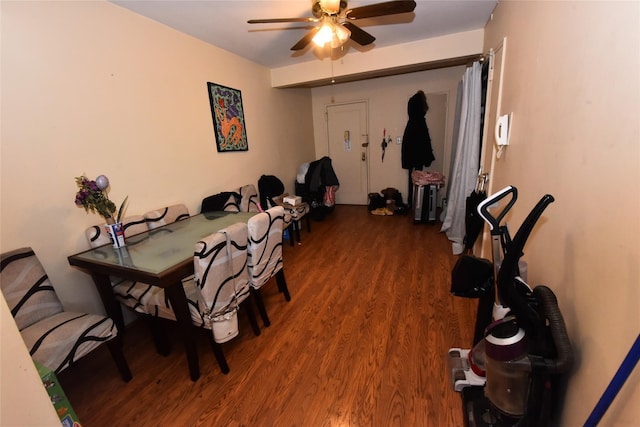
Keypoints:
pixel 92 195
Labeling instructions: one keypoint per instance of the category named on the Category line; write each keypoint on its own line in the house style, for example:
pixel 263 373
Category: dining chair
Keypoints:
pixel 249 198
pixel 225 201
pixel 222 284
pixel 98 236
pixel 271 191
pixel 168 215
pixel 54 337
pixel 142 298
pixel 265 255
pixel 129 293
pixel 152 301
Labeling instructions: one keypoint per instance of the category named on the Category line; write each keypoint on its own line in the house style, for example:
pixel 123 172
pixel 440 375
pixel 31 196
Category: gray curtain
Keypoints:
pixel 464 173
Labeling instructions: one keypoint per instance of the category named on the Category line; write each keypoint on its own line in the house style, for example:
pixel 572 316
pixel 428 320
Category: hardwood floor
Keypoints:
pixel 363 342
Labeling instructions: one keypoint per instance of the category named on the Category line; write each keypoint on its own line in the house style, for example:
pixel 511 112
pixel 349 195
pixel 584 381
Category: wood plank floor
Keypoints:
pixel 363 342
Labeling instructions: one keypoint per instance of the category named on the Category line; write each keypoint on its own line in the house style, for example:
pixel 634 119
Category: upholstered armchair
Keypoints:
pixel 265 255
pixel 168 215
pixel 54 337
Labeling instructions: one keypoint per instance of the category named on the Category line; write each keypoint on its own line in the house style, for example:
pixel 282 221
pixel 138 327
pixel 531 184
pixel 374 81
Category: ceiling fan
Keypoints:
pixel 337 26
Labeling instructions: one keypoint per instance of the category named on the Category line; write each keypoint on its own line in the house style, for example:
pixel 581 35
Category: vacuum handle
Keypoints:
pixel 483 207
pixel 509 268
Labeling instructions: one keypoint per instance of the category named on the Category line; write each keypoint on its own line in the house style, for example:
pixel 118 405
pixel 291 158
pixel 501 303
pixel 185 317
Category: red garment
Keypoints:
pixel 330 195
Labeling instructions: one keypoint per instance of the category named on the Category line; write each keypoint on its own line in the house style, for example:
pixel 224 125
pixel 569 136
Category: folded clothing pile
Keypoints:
pixel 425 178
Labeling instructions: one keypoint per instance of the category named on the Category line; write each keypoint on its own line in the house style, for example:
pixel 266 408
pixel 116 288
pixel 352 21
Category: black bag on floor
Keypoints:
pixel 471 276
pixel 376 201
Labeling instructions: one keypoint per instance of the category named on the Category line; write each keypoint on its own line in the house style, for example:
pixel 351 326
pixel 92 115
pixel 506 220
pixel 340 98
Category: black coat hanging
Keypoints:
pixel 416 142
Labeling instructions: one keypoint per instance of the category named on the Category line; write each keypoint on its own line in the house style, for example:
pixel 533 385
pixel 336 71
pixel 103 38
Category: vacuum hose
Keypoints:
pixel 564 358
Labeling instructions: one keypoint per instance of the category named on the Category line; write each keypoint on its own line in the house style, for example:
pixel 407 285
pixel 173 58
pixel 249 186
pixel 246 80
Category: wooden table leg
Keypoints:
pixel 111 305
pixel 296 227
pixel 291 236
pixel 113 309
pixel 178 300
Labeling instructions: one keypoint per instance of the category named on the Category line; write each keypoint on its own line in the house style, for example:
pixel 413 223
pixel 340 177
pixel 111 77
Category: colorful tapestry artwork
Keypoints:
pixel 228 118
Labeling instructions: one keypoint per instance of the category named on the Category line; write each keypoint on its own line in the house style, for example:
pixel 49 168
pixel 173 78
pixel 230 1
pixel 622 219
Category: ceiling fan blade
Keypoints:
pixel 359 35
pixel 303 42
pixel 381 9
pixel 278 20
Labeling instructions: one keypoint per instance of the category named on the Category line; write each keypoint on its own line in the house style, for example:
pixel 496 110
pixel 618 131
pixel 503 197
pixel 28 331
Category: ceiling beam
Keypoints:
pixel 438 52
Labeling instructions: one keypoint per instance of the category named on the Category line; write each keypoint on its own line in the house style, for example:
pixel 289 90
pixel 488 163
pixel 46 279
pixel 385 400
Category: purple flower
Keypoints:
pixel 93 198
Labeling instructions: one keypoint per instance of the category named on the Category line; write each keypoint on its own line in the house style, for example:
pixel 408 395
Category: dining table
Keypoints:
pixel 160 257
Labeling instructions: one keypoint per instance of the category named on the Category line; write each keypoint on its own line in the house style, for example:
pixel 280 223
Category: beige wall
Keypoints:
pixel 387 98
pixel 89 87
pixel 571 80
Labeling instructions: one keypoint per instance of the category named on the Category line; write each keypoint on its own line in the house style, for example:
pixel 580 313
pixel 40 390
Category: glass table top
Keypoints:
pixel 162 248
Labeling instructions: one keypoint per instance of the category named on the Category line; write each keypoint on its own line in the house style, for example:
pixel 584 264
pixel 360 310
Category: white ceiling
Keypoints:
pixel 224 24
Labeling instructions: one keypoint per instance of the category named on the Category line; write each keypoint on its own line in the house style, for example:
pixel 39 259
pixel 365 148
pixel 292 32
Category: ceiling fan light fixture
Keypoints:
pixel 340 35
pixel 324 35
pixel 336 26
pixel 332 7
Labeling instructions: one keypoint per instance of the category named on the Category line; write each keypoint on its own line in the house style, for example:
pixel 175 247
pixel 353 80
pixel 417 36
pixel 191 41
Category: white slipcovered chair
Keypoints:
pixel 222 284
pixel 170 214
pixel 151 300
pixel 143 298
pixel 225 201
pixel 265 255
pixel 129 293
pixel 54 337
pixel 98 236
pixel 271 193
pixel 249 198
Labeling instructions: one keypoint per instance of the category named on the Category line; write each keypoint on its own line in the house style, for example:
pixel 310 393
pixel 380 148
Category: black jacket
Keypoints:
pixel 319 175
pixel 416 142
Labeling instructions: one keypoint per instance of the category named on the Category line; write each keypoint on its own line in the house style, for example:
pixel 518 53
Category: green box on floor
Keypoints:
pixel 61 404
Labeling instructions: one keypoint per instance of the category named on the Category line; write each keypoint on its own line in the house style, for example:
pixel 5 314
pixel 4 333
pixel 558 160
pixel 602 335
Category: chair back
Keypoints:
pixel 98 236
pixel 269 187
pixel 220 270
pixel 249 198
pixel 225 201
pixel 265 245
pixel 170 214
pixel 26 287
